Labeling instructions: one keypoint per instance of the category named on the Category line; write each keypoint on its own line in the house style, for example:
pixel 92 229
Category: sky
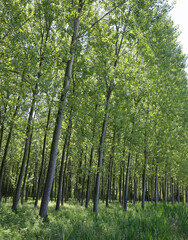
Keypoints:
pixel 180 17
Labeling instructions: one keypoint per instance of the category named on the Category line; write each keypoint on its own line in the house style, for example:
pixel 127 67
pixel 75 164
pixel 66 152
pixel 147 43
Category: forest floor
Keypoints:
pixel 163 222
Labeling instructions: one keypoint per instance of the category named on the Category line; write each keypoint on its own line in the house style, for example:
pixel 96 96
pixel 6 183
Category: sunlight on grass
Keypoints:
pixel 75 222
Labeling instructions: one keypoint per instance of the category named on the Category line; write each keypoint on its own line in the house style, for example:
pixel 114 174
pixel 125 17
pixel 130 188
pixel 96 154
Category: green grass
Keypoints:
pixel 163 222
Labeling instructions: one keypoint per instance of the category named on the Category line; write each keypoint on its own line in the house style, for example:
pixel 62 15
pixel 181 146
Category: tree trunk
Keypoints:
pixel 26 170
pixel 127 181
pixel 62 163
pixel 59 119
pixel 120 181
pixel 123 185
pixel 166 187
pixel 172 191
pixel 83 180
pixel 91 160
pixel 183 194
pixel 109 183
pixel 101 149
pixel 2 127
pixel 110 170
pixel 6 147
pixel 43 157
pixel 64 177
pixel 156 184
pixel 27 142
pixel 144 174
pixel 89 177
pixel 135 183
pixel 178 190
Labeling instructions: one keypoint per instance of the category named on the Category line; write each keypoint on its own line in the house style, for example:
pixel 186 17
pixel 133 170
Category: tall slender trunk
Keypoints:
pixel 123 185
pixel 2 126
pixel 43 158
pixel 110 170
pixel 101 149
pixel 120 181
pixel 156 184
pixel 6 147
pixel 144 173
pixel 83 180
pixel 172 191
pixel 127 181
pixel 135 183
pixel 178 190
pixel 26 170
pixel 59 119
pixel 91 160
pixel 166 187
pixel 26 150
pixel 64 177
pixel 109 183
pixel 183 194
pixel 62 163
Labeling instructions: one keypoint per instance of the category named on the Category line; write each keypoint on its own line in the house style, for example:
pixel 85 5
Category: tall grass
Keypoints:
pixel 75 222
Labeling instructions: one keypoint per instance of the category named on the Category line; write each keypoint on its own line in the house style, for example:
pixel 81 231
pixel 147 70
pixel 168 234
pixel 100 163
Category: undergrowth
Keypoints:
pixel 73 222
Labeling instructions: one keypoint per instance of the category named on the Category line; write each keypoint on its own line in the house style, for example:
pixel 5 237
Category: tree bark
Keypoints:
pixel 2 127
pixel 135 183
pixel 62 163
pixel 27 142
pixel 59 119
pixel 166 187
pixel 101 149
pixel 6 147
pixel 43 157
pixel 83 180
pixel 91 160
pixel 172 191
pixel 127 181
pixel 156 185
pixel 26 170
pixel 144 174
pixel 110 170
pixel 183 194
pixel 120 181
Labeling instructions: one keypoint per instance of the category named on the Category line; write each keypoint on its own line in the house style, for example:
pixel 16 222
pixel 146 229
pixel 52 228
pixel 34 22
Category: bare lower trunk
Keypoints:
pixel 172 191
pixel 6 148
pixel 89 178
pixel 178 189
pixel 59 119
pixel 166 185
pixel 156 185
pixel 127 181
pixel 135 183
pixel 2 127
pixel 83 181
pixel 109 184
pixel 183 194
pixel 26 170
pixel 62 164
pixel 26 150
pixel 101 149
pixel 120 181
pixel 91 161
pixel 144 175
pixel 110 171
pixel 43 157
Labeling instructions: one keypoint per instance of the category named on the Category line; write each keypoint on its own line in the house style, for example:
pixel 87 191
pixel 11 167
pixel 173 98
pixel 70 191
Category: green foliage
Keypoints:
pixel 75 222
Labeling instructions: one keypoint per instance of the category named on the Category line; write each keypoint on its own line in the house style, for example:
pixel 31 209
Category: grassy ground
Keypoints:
pixel 74 222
